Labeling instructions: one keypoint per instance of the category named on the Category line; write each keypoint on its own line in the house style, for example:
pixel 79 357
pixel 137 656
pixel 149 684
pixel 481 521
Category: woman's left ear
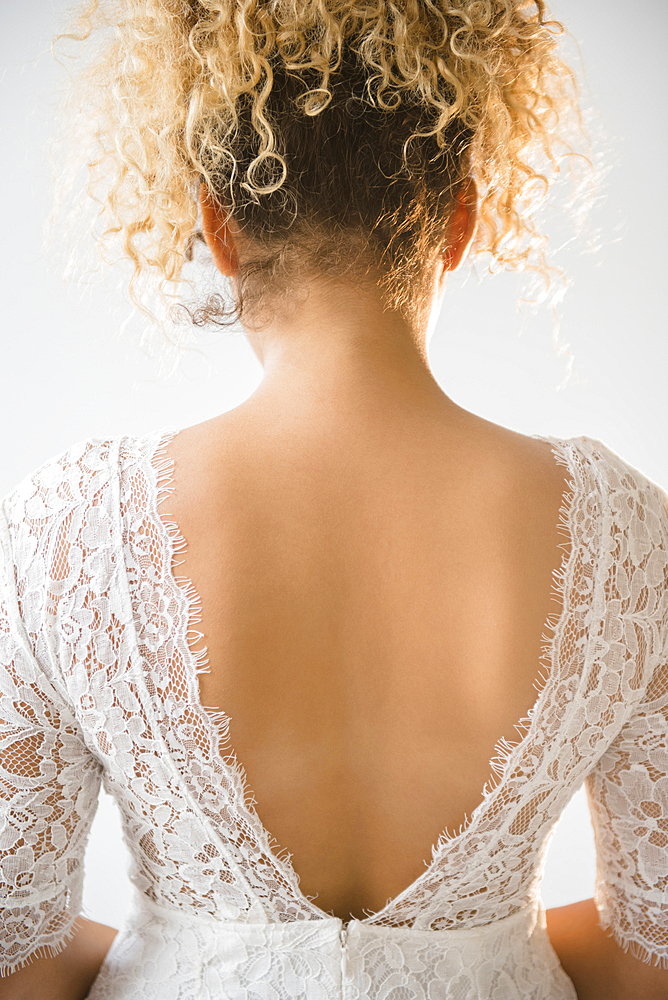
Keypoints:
pixel 216 229
pixel 463 223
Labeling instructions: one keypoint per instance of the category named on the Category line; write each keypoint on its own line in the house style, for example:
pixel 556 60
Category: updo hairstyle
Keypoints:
pixel 335 133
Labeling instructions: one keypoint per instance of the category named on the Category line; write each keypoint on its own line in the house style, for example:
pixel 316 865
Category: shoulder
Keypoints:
pixel 61 484
pixel 632 501
pixel 633 553
pixel 66 511
pixel 80 477
pixel 43 521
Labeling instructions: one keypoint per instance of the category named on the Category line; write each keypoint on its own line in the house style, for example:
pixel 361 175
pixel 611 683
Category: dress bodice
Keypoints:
pixel 100 683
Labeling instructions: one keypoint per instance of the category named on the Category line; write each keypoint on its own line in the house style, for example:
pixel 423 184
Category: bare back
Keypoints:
pixel 374 611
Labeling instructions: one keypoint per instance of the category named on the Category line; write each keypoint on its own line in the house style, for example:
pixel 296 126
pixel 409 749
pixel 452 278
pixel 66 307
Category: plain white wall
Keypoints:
pixel 65 374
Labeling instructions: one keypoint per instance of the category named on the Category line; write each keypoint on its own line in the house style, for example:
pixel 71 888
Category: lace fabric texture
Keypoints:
pixel 306 959
pixel 98 682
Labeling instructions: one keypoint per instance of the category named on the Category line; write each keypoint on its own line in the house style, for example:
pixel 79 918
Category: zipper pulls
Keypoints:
pixel 344 935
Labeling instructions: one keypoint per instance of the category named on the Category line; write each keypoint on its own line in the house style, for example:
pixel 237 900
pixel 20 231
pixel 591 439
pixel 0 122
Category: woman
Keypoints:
pixel 373 569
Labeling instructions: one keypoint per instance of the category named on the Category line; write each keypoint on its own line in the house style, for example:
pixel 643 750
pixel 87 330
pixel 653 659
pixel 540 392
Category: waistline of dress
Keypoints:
pixel 522 922
pixel 183 955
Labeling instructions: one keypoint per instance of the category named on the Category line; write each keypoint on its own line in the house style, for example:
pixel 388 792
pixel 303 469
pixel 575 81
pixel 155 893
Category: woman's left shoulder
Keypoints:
pixel 79 476
pixel 70 498
pixel 70 480
pixel 625 487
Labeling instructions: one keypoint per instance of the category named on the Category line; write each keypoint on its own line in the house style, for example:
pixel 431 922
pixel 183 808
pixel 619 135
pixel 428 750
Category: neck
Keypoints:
pixel 337 350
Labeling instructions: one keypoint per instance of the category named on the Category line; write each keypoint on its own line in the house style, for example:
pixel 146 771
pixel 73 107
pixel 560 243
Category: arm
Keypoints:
pixel 66 976
pixel 49 784
pixel 615 947
pixel 599 967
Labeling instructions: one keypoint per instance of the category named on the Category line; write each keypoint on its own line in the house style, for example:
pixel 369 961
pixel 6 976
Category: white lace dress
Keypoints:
pixel 98 683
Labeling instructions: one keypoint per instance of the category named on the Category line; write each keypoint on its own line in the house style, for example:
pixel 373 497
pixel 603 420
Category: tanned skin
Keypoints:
pixel 347 385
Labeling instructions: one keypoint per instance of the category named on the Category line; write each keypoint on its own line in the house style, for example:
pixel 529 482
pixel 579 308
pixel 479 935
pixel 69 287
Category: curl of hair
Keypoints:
pixel 336 133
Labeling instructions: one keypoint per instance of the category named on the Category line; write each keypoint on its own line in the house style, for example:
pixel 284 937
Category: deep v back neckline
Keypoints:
pixel 223 758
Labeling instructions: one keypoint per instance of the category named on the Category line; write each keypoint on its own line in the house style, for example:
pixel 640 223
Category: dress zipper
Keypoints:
pixel 343 934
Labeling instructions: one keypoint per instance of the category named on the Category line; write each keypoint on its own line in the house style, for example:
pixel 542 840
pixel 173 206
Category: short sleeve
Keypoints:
pixel 628 789
pixel 49 780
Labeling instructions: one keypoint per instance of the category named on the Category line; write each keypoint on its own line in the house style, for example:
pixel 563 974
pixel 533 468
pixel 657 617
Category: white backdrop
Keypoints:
pixel 65 374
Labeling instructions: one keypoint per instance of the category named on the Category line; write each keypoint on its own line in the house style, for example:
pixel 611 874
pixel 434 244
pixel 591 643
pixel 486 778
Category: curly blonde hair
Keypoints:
pixel 336 133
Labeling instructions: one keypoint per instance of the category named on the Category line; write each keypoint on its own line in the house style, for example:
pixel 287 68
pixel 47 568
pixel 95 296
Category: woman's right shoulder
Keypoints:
pixel 632 533
pixel 632 500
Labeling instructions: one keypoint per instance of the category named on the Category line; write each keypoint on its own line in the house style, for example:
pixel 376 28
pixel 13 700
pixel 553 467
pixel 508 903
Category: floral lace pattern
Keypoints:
pixel 98 682
pixel 305 959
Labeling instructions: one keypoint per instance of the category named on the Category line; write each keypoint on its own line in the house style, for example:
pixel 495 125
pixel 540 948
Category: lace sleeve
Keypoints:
pixel 49 780
pixel 628 789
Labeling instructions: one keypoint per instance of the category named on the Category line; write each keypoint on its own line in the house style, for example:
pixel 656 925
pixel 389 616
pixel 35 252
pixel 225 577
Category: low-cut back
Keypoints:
pixel 102 667
pixel 376 641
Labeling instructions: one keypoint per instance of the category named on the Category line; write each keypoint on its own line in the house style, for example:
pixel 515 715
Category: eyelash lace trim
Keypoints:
pixel 99 662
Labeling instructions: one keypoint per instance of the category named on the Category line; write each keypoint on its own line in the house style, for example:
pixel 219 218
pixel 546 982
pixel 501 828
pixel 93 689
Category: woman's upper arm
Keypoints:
pixel 49 780
pixel 625 927
pixel 628 799
pixel 615 947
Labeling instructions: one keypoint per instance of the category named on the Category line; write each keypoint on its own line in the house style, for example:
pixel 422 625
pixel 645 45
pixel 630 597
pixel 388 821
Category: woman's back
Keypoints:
pixel 97 649
pixel 374 605
pixel 375 572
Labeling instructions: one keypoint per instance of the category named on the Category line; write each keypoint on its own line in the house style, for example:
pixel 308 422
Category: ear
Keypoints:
pixel 463 222
pixel 216 229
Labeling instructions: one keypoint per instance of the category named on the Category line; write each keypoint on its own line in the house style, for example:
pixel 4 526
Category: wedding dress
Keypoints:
pixel 99 684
